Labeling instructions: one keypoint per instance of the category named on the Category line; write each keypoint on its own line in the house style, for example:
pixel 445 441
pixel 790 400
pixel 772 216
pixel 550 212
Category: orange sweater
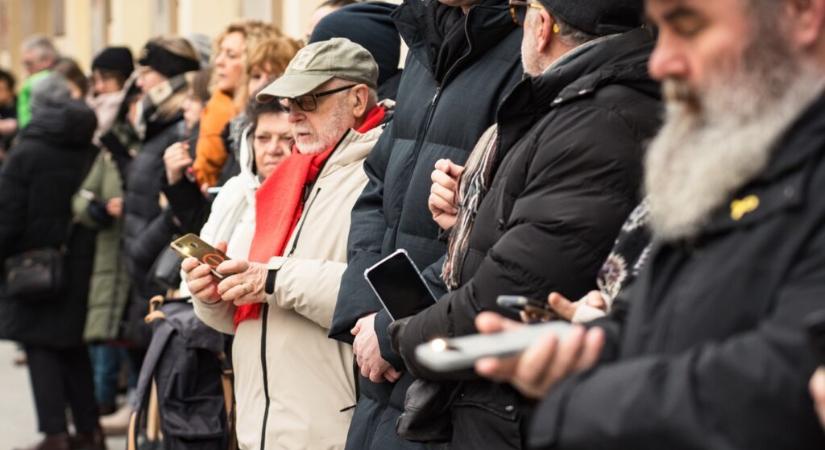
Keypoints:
pixel 210 154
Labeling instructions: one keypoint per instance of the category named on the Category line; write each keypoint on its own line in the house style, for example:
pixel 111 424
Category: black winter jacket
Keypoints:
pixel 712 351
pixel 148 228
pixel 450 90
pixel 41 174
pixel 568 174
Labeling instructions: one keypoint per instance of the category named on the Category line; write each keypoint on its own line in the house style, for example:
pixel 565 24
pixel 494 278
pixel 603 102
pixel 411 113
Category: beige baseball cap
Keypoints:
pixel 320 62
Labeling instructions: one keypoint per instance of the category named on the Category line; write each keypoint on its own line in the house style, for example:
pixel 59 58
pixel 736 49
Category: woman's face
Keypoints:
pixel 149 78
pixel 258 78
pixel 272 142
pixel 230 62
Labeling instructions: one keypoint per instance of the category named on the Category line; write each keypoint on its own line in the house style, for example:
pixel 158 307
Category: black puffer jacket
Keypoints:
pixel 40 176
pixel 712 350
pixel 456 75
pixel 568 173
pixel 147 227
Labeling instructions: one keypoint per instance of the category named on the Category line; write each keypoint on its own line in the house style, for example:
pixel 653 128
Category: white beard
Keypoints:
pixel 700 159
pixel 334 128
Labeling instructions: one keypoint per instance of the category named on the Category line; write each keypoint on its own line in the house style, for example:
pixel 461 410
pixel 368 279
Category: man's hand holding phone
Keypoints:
pixel 549 360
pixel 200 280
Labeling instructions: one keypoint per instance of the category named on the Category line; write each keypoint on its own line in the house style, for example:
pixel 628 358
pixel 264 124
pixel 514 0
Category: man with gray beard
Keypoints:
pixel 710 351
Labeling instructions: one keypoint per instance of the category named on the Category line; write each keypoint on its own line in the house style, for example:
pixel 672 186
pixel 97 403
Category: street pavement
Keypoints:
pixel 18 422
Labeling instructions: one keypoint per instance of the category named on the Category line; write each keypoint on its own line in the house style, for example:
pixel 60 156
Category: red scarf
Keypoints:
pixel 280 203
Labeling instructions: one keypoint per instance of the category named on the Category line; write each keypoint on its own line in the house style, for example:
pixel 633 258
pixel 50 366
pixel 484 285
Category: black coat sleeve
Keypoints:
pixel 188 205
pixel 143 248
pixel 560 229
pixel 747 391
pixel 366 234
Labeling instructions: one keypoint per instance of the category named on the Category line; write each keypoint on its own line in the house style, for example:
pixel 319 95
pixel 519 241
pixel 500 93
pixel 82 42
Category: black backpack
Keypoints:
pixel 185 386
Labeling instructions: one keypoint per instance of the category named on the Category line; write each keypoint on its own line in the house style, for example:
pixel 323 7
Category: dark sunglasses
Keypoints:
pixel 309 102
pixel 518 10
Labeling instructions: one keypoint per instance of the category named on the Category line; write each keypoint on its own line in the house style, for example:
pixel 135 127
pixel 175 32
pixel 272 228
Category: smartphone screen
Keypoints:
pixel 399 285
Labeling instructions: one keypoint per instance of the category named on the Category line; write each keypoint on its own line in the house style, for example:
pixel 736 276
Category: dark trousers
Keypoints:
pixel 61 377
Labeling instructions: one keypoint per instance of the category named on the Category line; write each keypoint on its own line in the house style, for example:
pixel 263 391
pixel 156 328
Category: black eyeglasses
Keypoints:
pixel 518 10
pixel 309 102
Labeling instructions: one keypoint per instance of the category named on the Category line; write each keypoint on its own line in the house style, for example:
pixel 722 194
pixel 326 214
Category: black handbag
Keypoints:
pixel 35 274
pixel 166 269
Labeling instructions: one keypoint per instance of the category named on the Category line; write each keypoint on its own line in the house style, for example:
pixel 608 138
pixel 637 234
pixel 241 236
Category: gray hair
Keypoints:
pixel 573 36
pixel 52 90
pixel 42 45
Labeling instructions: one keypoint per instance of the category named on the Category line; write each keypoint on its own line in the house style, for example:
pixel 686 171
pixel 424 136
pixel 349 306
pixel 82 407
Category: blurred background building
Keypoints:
pixel 81 28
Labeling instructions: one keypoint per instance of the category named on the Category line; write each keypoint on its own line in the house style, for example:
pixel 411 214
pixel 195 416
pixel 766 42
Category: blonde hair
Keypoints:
pixel 254 32
pixel 273 55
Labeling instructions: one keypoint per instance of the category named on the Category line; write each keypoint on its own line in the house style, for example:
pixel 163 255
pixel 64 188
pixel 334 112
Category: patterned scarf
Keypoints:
pixel 473 186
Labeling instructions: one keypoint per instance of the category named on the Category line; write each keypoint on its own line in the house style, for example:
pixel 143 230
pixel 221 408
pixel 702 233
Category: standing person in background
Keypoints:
pixel 148 225
pixel 369 25
pixel 229 96
pixel 446 99
pixel 110 70
pixel 8 112
pixel 99 205
pixel 269 59
pixel 36 185
pixel 39 56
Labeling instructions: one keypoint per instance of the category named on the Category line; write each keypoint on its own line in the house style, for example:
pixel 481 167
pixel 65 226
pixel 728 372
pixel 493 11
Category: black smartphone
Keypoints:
pixel 534 308
pixel 815 328
pixel 399 286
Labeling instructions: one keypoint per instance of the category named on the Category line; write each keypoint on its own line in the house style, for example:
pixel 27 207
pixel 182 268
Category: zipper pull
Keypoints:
pixel 435 97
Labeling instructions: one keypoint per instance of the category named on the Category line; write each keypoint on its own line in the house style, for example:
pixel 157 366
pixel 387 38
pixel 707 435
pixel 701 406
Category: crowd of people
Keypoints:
pixel 645 170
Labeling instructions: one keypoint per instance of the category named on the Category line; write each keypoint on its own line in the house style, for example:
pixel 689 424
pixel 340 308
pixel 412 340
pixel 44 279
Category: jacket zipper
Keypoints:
pixel 264 315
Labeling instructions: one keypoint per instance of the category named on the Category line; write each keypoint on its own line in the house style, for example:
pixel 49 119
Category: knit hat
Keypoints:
pixel 368 25
pixel 167 63
pixel 598 17
pixel 116 59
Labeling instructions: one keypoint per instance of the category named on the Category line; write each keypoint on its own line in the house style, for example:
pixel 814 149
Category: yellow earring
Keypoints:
pixel 556 29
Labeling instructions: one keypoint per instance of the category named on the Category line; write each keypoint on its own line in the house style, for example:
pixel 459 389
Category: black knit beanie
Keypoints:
pixel 368 25
pixel 116 59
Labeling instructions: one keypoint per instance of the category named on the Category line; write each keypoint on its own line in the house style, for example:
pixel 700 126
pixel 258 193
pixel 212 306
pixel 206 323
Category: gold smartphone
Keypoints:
pixel 194 246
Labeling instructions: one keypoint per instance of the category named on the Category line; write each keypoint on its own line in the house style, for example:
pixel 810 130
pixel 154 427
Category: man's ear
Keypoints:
pixel 360 98
pixel 807 18
pixel 544 30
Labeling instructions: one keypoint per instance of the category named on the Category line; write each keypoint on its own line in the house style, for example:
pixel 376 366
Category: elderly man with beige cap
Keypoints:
pixel 294 386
